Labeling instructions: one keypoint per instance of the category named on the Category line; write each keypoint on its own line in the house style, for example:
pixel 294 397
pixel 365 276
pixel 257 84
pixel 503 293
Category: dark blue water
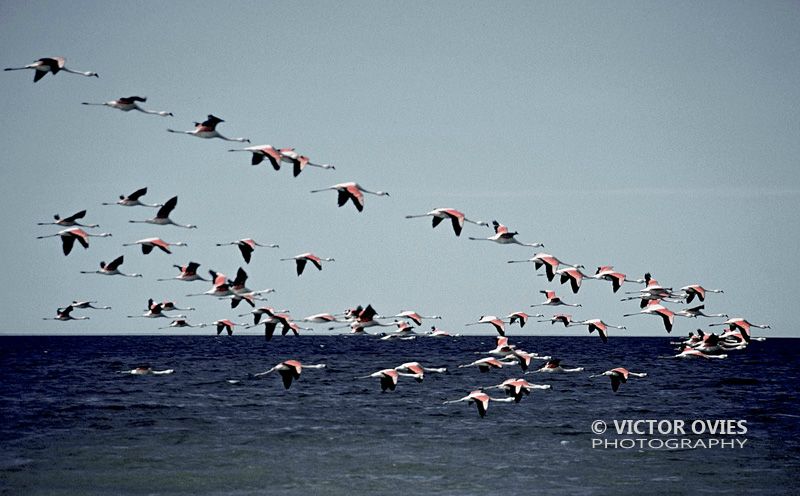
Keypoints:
pixel 72 424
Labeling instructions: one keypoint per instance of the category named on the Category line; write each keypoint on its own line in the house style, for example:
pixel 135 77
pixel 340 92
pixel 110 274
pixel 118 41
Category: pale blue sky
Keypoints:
pixel 653 136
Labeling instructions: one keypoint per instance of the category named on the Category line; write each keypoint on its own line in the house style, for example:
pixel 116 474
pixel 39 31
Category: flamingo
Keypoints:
pixel 523 358
pixel 149 243
pixel 289 370
pixel 389 378
pixel 64 314
pixel 697 311
pixel 162 216
pixel 188 273
pixel 220 286
pixel 456 217
pixel 361 318
pixel 87 304
pixel 554 366
pixel 498 324
pixel 225 325
pixel 182 323
pixel 208 129
pixel 481 400
pixel 276 318
pixel 553 300
pixel 351 191
pixel 502 348
pixel 247 246
pixel 549 262
pixel 618 376
pixel 299 162
pixel 413 316
pixel 69 236
pixel 653 288
pixel 320 318
pixel 741 324
pixel 418 369
pixel 70 221
pixel 154 311
pixel 599 326
pixel 111 268
pixel 303 258
pixel 258 312
pixel 404 331
pixel 504 237
pixel 564 318
pixel 50 64
pixel 260 152
pixel 438 333
pixel 128 103
pixel 573 275
pixel 689 352
pixel 607 273
pixel 693 290
pixel 667 315
pixel 132 200
pixel 486 364
pixel 515 388
pixel 169 306
pixel 520 317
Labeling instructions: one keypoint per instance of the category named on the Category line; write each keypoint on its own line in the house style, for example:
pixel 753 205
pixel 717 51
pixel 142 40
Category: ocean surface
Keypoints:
pixel 73 424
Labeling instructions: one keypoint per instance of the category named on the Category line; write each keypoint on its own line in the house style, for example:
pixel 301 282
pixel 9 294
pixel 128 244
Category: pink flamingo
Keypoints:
pixel 128 103
pixel 162 216
pixel 697 311
pixel 208 129
pixel 289 370
pixel 351 191
pixel 549 262
pixel 516 388
pixel 88 304
pixel 389 378
pixel 154 311
pixel 416 368
pixel 64 314
pixel 618 376
pixel 520 317
pixel 133 200
pixel 303 258
pixel 182 323
pixel 486 364
pixel 553 366
pixel 504 237
pixel 111 268
pixel 413 316
pixel 149 243
pixel 456 217
pixel 261 152
pixel 498 323
pixel 699 291
pixel 69 236
pixel 667 315
pixel 741 324
pixel 573 275
pixel 599 326
pixel 50 64
pixel 481 400
pixel 70 221
pixel 247 246
pixel 188 273
pixel 553 300
pixel 607 273
pixel 300 162
pixel 225 325
pixel 564 318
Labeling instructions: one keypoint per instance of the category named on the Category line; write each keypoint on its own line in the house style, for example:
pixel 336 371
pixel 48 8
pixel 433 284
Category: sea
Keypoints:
pixel 75 423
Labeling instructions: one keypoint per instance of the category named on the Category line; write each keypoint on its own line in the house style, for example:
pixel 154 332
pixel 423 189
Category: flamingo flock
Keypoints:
pixel 653 297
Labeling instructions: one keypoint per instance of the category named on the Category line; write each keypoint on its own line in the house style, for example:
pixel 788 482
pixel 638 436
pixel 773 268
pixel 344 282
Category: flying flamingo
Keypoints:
pixel 188 273
pixel 50 64
pixel 741 324
pixel 260 152
pixel 320 318
pixel 225 325
pixel 653 288
pixel 554 366
pixel 573 275
pixel 412 315
pixel 522 358
pixel 502 348
pixel 154 311
pixel 182 323
pixel 486 364
pixel 553 300
pixel 481 400
pixel 419 369
pixel 697 311
pixel 208 129
pixel 289 370
pixel 438 333
pixel 303 258
pixel 389 378
pixel 667 315
pixel 69 236
pixel 693 290
pixel 162 216
pixel 618 376
pixel 689 352
pixel 599 326
pixel 361 318
pixel 64 314
pixel 132 200
pixel 247 246
pixel 111 268
pixel 258 312
pixel 504 237
pixel 564 318
pixel 498 323
pixel 520 317
pixel 607 273
pixel 149 243
pixel 70 221
pixel 456 217
pixel 353 192
pixel 128 103
pixel 549 262
pixel 515 388
pixel 169 306
pixel 299 162
pixel 88 304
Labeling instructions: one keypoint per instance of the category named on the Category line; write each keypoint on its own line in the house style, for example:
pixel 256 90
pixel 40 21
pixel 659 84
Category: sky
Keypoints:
pixel 655 136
